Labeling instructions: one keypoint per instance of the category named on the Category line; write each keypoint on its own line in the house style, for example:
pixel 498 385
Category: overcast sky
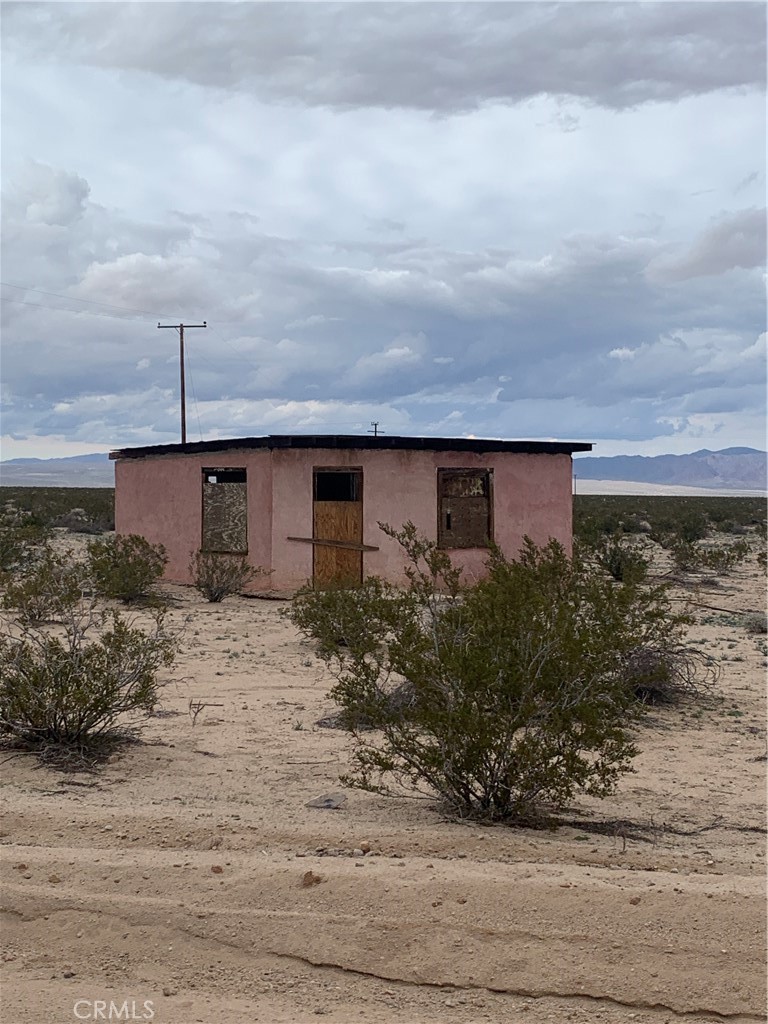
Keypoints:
pixel 504 220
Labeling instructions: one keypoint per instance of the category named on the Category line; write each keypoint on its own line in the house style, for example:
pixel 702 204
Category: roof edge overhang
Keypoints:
pixel 382 442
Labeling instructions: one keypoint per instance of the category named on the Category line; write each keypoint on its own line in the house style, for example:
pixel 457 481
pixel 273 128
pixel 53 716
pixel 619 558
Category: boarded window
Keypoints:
pixel 464 508
pixel 225 511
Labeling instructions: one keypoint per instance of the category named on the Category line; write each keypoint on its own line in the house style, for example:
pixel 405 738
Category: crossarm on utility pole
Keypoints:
pixel 182 375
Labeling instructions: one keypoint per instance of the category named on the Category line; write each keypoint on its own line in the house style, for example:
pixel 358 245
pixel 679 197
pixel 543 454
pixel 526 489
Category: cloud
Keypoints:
pixel 140 280
pixel 49 197
pixel 447 57
pixel 315 320
pixel 398 360
pixel 420 337
pixel 734 240
pixel 500 219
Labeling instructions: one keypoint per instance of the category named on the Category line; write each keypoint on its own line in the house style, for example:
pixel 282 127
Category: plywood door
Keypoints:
pixel 342 522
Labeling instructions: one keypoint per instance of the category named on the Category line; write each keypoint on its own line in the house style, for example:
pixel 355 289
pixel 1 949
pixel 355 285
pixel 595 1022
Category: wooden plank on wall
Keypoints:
pixel 351 545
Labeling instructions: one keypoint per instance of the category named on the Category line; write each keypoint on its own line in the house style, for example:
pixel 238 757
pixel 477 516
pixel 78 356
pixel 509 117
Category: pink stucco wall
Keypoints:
pixel 161 498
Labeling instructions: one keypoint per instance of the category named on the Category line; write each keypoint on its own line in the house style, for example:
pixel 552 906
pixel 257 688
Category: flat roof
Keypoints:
pixel 381 442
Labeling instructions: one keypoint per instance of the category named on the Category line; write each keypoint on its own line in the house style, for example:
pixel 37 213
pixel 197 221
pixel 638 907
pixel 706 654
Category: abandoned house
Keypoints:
pixel 307 507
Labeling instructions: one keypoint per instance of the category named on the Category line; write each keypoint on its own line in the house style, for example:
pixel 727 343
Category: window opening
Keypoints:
pixel 224 476
pixel 337 485
pixel 464 508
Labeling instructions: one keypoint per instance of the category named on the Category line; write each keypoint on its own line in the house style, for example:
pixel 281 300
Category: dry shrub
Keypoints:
pixel 46 587
pixel 399 699
pixel 516 690
pixel 76 685
pixel 216 575
pixel 668 675
pixel 756 623
pixel 126 567
pixel 622 560
pixel 21 535
pixel 77 520
pixel 717 559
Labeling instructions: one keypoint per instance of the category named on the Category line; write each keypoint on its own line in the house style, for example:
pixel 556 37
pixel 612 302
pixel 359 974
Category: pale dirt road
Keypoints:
pixel 109 888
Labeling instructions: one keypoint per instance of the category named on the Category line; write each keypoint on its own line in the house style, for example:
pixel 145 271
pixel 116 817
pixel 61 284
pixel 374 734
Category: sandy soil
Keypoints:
pixel 177 874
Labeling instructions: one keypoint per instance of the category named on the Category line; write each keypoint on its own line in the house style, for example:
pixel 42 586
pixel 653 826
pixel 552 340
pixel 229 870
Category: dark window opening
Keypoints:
pixel 224 476
pixel 337 485
pixel 464 508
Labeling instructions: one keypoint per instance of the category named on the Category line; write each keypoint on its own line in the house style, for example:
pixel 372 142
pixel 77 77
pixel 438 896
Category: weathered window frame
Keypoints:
pixel 228 486
pixel 464 520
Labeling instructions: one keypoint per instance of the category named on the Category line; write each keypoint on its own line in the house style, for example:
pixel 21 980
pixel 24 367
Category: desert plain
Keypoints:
pixel 188 877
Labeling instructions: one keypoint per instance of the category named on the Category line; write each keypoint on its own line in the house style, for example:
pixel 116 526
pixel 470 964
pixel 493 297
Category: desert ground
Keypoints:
pixel 189 872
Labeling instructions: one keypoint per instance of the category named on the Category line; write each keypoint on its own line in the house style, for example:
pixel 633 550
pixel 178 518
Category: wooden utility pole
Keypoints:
pixel 180 329
pixel 375 425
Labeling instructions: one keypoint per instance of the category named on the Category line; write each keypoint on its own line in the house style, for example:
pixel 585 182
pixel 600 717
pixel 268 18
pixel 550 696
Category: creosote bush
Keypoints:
pixel 77 520
pixel 718 559
pixel 216 575
pixel 621 559
pixel 664 517
pixel 44 505
pixel 357 618
pixel 77 685
pixel 20 537
pixel 688 525
pixel 354 617
pixel 755 622
pixel 520 692
pixel 126 567
pixel 46 587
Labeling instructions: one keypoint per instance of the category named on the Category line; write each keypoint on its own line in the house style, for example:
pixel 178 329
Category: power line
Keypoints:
pixel 79 312
pixel 75 298
pixel 113 316
pixel 128 309
pixel 146 313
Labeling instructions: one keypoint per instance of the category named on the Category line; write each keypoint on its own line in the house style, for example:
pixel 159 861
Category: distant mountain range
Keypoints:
pixel 729 469
pixel 732 469
pixel 76 471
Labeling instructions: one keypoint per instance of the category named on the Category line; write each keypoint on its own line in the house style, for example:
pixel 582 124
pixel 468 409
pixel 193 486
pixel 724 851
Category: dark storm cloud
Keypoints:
pixel 442 57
